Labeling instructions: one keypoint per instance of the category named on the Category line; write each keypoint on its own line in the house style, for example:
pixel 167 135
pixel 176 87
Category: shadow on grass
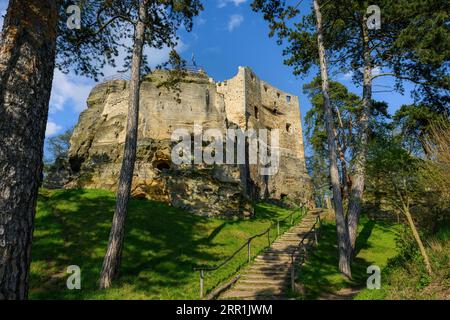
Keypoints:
pixel 74 230
pixel 162 245
pixel 321 274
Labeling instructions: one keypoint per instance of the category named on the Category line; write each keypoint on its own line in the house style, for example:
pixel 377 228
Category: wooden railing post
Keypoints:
pixel 202 278
pixel 249 255
pixel 292 274
pixel 315 236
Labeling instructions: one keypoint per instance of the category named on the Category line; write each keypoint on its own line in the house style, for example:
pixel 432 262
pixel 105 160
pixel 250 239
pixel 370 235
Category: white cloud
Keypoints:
pixel 235 21
pixel 348 75
pixel 201 21
pixel 376 71
pixel 158 56
pixel 2 15
pixel 52 128
pixel 3 6
pixel 155 56
pixel 223 3
pixel 69 89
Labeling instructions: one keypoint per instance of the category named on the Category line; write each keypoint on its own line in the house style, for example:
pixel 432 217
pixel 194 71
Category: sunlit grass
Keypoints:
pixel 162 246
pixel 320 274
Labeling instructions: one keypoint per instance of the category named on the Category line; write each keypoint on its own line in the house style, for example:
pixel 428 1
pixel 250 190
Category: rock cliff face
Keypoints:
pixel 95 155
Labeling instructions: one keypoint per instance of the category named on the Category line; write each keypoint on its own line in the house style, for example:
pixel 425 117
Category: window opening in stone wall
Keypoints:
pixel 162 165
pixel 288 127
pixel 288 99
pixel 256 112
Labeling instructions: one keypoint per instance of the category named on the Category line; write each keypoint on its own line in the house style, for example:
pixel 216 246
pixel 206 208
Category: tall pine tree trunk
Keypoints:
pixel 112 260
pixel 357 191
pixel 27 59
pixel 341 226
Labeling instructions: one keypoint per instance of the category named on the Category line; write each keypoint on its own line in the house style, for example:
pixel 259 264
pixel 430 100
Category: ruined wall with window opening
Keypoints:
pixel 243 102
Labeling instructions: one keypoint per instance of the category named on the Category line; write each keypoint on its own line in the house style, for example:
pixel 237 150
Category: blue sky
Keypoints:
pixel 226 35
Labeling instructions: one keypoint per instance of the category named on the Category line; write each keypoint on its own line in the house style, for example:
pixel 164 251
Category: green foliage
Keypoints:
pixel 412 44
pixel 162 246
pixel 375 246
pixel 107 27
pixel 415 123
pixel 347 111
pixel 404 277
pixel 397 177
pixel 419 47
pixel 59 145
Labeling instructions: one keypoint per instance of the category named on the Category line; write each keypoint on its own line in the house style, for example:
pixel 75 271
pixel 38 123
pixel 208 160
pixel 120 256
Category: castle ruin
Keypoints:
pixel 243 102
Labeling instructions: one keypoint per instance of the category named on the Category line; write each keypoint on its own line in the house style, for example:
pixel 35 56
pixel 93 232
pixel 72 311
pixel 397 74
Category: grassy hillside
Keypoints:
pixel 162 245
pixel 375 246
pixel 405 276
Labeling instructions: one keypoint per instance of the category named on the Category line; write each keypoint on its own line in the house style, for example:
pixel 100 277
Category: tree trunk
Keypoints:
pixel 416 235
pixel 346 181
pixel 341 226
pixel 357 191
pixel 112 260
pixel 27 59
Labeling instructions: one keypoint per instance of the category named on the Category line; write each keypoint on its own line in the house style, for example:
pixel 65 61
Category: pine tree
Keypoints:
pixel 354 46
pixel 27 60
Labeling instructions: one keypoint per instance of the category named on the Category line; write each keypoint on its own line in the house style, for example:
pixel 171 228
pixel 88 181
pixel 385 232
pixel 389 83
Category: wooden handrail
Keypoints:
pixel 300 246
pixel 247 244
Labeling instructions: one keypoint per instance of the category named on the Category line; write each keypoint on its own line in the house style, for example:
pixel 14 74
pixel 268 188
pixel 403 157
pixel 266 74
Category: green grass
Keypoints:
pixel 162 246
pixel 405 276
pixel 375 245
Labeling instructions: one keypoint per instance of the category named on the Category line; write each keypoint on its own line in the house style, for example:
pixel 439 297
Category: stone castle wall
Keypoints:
pixel 216 190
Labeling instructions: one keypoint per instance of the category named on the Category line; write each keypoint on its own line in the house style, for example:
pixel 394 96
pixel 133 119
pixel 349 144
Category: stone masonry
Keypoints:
pixel 243 102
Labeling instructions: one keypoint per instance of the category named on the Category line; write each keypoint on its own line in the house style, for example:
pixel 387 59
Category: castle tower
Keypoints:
pixel 243 102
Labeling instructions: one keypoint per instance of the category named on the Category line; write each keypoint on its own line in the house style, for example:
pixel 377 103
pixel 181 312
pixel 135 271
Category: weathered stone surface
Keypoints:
pixel 95 155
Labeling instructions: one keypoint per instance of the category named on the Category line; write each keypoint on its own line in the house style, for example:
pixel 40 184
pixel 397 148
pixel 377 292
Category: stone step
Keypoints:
pixel 263 270
pixel 251 295
pixel 277 263
pixel 260 289
pixel 287 250
pixel 285 240
pixel 267 268
pixel 290 240
pixel 263 282
pixel 274 256
pixel 264 276
pixel 285 260
pixel 295 233
pixel 268 276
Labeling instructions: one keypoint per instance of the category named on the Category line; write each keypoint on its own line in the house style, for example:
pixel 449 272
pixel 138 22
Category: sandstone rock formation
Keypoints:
pixel 212 190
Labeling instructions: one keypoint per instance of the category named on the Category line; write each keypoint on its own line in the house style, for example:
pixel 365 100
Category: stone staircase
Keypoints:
pixel 268 276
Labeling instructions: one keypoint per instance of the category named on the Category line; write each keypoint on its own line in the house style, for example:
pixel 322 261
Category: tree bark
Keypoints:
pixel 27 61
pixel 357 191
pixel 346 180
pixel 341 226
pixel 416 235
pixel 112 259
pixel 405 209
